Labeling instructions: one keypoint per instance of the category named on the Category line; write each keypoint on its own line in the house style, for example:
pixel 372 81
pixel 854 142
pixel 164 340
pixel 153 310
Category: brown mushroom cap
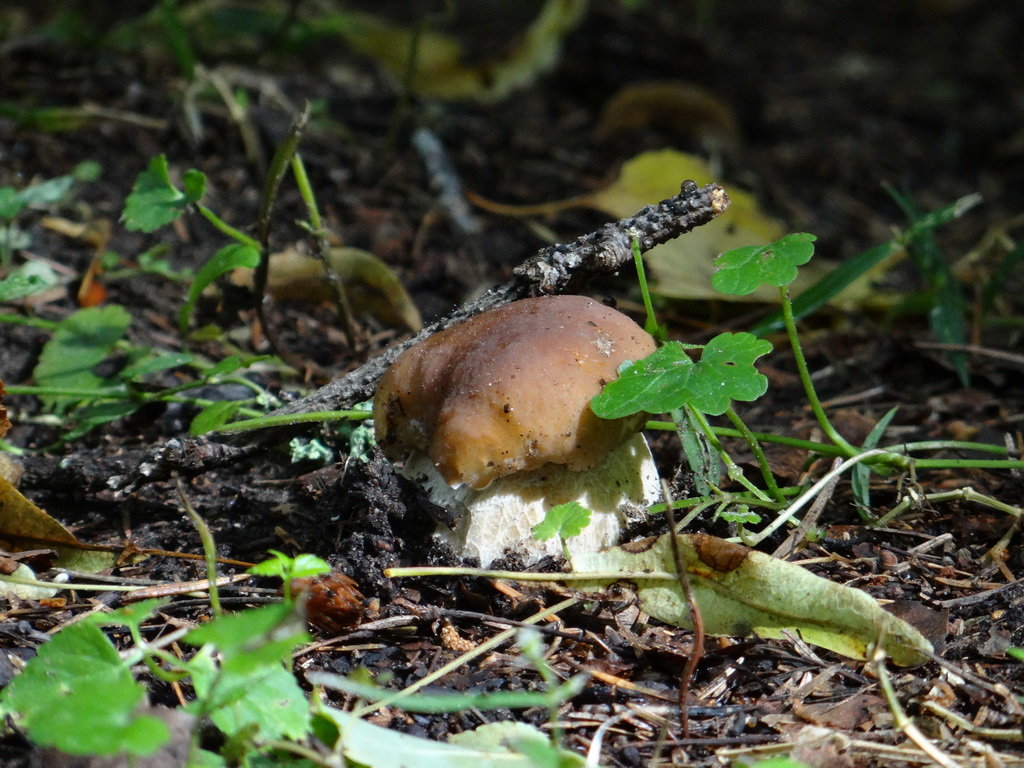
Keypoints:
pixel 510 389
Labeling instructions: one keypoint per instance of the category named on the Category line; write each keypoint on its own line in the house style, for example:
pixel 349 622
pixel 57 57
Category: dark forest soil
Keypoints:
pixel 831 101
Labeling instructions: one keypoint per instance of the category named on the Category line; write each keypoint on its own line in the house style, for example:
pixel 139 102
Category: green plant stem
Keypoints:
pixel 532 648
pixel 755 447
pixel 893 455
pixel 651 322
pixel 301 751
pixel 275 173
pixel 113 393
pixel 805 376
pixel 765 437
pixel 900 718
pixel 700 503
pixel 284 420
pixel 891 451
pixel 958 463
pixel 226 229
pixel 322 250
pixel 152 661
pixel 733 471
pixel 397 573
pixel 163 396
pixel 278 168
pixel 34 322
pixel 209 548
pixel 960 494
pixel 946 445
pixel 810 494
pixel 693 513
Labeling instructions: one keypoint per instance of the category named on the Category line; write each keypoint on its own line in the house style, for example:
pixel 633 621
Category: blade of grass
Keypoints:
pixel 860 474
pixel 850 270
pixel 946 316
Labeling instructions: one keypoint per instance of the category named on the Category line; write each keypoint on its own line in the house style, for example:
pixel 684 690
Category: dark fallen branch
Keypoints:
pixel 558 269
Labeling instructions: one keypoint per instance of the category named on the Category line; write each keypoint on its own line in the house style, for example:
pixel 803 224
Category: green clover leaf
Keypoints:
pixel 155 201
pixel 564 520
pixel 726 372
pixel 741 270
pixel 668 379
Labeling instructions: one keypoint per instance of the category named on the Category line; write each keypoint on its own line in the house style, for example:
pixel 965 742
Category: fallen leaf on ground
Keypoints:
pixel 689 110
pixel 23 525
pixel 741 591
pixel 443 69
pixel 371 286
pixel 856 711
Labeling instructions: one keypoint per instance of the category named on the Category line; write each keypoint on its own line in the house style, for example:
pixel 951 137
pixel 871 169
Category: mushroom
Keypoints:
pixel 493 417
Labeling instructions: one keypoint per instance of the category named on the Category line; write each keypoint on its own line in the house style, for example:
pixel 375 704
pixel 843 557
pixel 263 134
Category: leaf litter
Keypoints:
pixel 750 690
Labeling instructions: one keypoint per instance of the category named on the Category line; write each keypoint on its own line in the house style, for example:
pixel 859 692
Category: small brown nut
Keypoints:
pixel 333 601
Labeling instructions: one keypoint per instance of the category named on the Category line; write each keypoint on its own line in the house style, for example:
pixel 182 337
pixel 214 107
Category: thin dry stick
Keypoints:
pixel 698 622
pixel 557 269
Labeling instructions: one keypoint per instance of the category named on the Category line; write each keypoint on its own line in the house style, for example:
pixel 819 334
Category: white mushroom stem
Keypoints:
pixel 498 520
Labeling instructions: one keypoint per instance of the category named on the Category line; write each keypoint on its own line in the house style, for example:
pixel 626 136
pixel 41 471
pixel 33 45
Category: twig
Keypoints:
pixel 556 269
pixel 698 621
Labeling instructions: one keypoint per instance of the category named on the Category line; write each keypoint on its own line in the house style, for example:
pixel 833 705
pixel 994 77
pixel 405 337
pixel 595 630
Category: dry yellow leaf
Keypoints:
pixel 442 66
pixel 682 268
pixel 23 525
pixel 371 286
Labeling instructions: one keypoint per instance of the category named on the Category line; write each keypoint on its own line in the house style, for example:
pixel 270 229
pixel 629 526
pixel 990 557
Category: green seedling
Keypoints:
pixel 240 673
pixel 564 521
pixel 44 194
pixel 671 381
pixel 151 262
pixel 242 682
pixel 289 568
pixel 89 374
pixel 155 201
